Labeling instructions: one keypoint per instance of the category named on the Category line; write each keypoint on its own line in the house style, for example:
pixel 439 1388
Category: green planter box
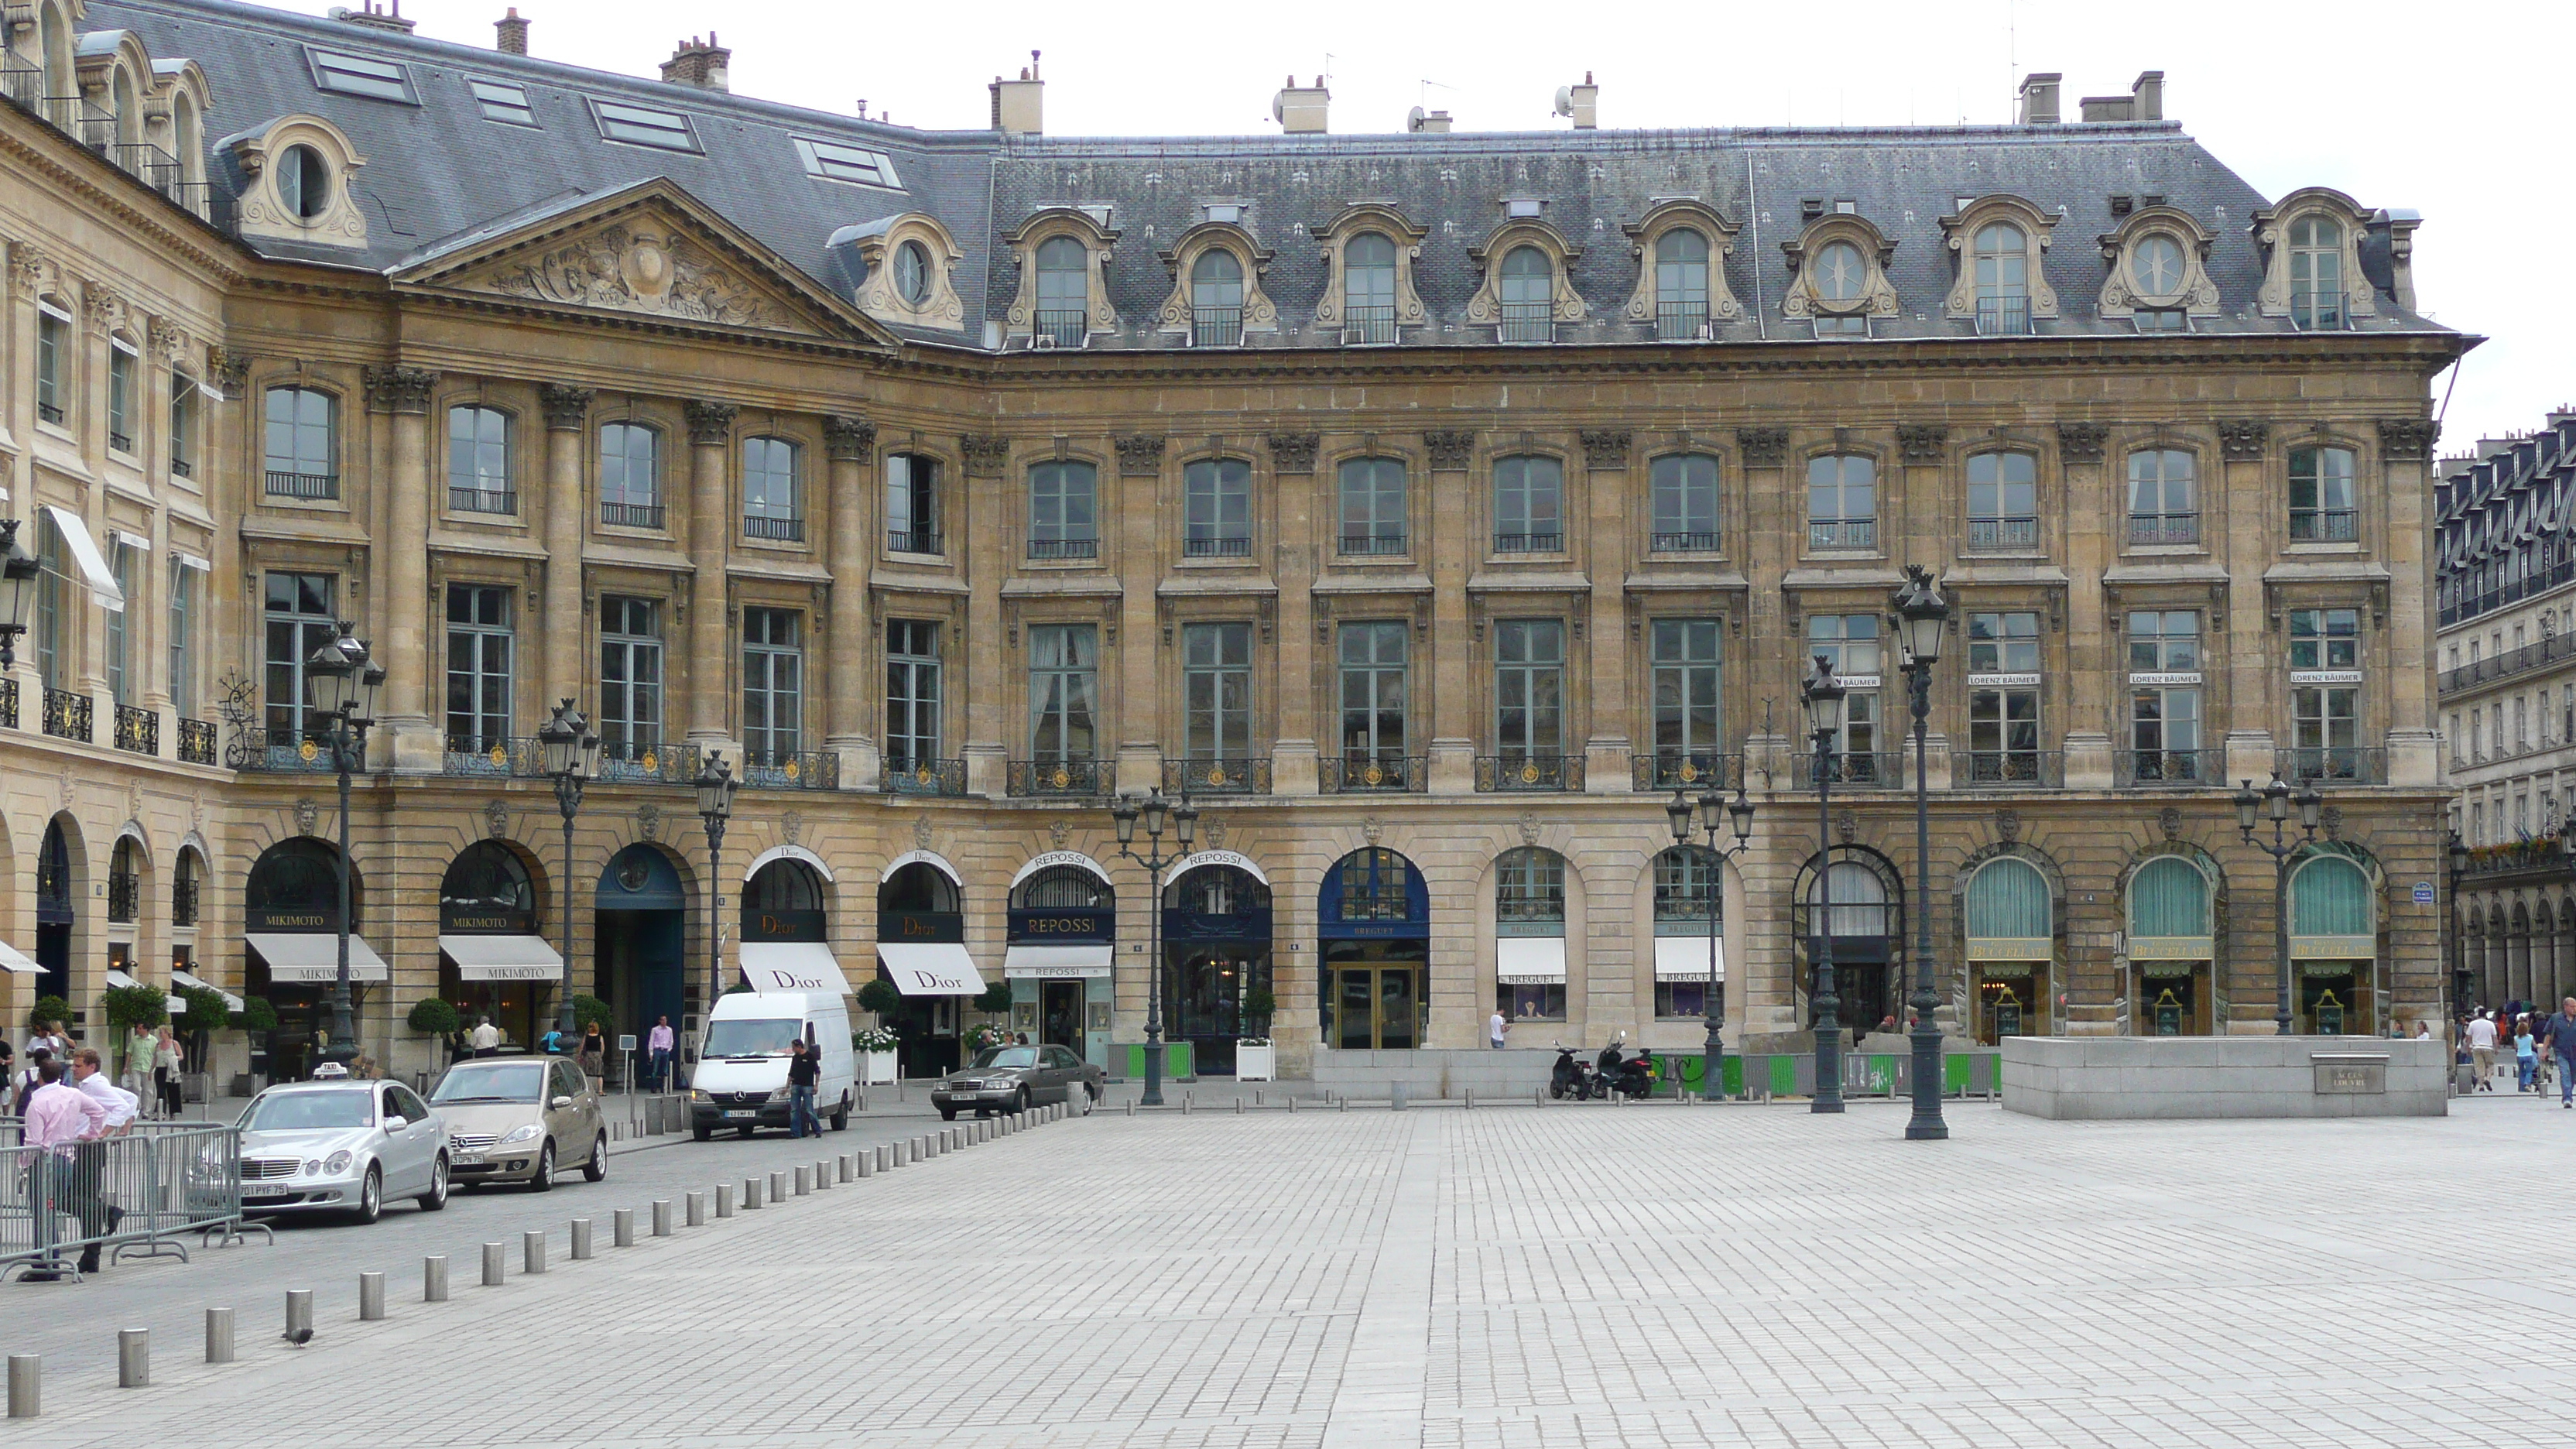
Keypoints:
pixel 1180 1060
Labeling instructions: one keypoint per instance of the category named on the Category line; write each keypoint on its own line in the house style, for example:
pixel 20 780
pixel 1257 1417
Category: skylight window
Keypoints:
pixel 637 126
pixel 834 162
pixel 503 102
pixel 358 75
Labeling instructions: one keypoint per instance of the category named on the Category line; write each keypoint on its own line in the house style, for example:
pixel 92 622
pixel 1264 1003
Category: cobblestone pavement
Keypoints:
pixel 1592 1275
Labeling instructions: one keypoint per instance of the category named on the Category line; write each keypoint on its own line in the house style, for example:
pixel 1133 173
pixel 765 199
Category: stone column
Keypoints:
pixel 850 444
pixel 1293 752
pixel 401 568
pixel 1451 547
pixel 710 621
pixel 2096 669
pixel 567 515
pixel 988 749
pixel 2247 518
pixel 1609 494
pixel 1927 533
pixel 2403 639
pixel 86 374
pixel 1139 507
pixel 1766 662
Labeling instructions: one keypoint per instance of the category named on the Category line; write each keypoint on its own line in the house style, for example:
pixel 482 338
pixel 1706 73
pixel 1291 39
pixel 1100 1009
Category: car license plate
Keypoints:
pixel 744 1112
pixel 466 1159
pixel 259 1192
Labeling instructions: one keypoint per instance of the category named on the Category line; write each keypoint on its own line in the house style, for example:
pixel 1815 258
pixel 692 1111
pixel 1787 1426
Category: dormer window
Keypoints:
pixel 1527 296
pixel 912 273
pixel 304 183
pixel 1064 292
pixel 2316 274
pixel 2157 274
pixel 2312 261
pixel 2156 264
pixel 1841 278
pixel 1216 299
pixel 1681 285
pixel 2003 280
pixel 1369 283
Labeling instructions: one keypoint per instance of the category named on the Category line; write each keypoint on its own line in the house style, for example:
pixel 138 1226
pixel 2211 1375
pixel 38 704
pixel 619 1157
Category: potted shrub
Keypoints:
pixel 50 1009
pixel 1255 1059
pixel 875 1046
pixel 985 1034
pixel 206 1015
pixel 259 1019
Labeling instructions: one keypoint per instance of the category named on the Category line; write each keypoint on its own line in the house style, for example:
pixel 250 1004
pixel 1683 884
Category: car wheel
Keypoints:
pixel 702 1133
pixel 947 1114
pixel 371 1196
pixel 597 1167
pixel 436 1198
pixel 1020 1102
pixel 841 1118
pixel 1090 1097
pixel 544 1178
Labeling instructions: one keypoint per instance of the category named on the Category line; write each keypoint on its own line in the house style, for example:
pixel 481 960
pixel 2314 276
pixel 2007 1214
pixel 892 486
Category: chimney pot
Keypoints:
pixel 700 63
pixel 2039 98
pixel 1300 110
pixel 1019 107
pixel 1583 104
pixel 510 33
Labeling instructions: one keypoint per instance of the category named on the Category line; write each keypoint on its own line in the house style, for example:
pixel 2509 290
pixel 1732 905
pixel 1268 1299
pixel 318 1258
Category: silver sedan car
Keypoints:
pixel 341 1147
pixel 1015 1078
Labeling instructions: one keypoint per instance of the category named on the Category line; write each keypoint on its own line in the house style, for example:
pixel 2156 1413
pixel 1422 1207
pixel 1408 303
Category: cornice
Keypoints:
pixel 200 241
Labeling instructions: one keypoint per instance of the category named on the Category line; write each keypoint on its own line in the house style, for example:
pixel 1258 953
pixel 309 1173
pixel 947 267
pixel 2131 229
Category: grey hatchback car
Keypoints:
pixel 1016 1078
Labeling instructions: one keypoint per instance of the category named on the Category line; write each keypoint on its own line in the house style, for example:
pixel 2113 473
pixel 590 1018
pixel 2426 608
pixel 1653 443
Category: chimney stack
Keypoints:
pixel 2147 96
pixel 1582 103
pixel 374 19
pixel 510 34
pixel 1300 109
pixel 2039 98
pixel 1019 107
pixel 700 63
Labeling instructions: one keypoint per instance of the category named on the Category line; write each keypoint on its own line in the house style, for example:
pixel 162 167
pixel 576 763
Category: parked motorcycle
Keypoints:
pixel 1637 1074
pixel 1566 1078
pixel 1606 1067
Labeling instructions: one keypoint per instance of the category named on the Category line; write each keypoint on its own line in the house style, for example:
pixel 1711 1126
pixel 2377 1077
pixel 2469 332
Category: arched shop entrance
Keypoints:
pixel 1373 923
pixel 492 960
pixel 640 924
pixel 54 897
pixel 2334 946
pixel 1216 943
pixel 2012 942
pixel 1063 941
pixel 291 915
pixel 1868 924
pixel 783 927
pixel 2173 945
pixel 921 948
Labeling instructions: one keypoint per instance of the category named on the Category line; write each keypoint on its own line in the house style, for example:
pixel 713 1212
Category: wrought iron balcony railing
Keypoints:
pixel 2003 533
pixel 2003 316
pixel 648 764
pixel 497 756
pixel 196 742
pixel 1060 327
pixel 1681 321
pixel 9 703
pixel 1691 541
pixel 1529 772
pixel 283 484
pixel 1374 774
pixel 2007 769
pixel 138 731
pixel 2333 765
pixel 1220 546
pixel 1064 548
pixel 1842 533
pixel 67 716
pixel 922 777
pixel 1529 543
pixel 183 900
pixel 776 530
pixel 124 895
pixel 792 770
pixel 1527 322
pixel 2324 525
pixel 2167 767
pixel 1369 326
pixel 1676 770
pixel 1217 776
pixel 1858 769
pixel 1067 779
pixel 1216 326
pixel 1372 545
pixel 481 500
pixel 917 540
pixel 631 515
pixel 2164 528
pixel 283 750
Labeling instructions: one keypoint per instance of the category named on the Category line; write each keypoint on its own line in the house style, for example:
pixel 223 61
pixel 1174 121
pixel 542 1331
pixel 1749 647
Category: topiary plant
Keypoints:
pixel 433 1016
pixel 206 1010
pixel 587 1009
pixel 1258 1007
pixel 256 1015
pixel 881 997
pixel 49 1009
pixel 131 1006
pixel 996 999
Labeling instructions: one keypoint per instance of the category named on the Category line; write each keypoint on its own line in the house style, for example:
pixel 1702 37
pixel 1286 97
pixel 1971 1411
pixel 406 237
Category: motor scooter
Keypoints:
pixel 1568 1079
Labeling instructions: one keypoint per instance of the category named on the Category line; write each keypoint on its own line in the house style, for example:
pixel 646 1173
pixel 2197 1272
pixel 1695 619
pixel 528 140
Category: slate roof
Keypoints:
pixel 438 171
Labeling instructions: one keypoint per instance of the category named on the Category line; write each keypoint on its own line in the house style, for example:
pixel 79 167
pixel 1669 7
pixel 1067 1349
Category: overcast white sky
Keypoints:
pixel 2444 108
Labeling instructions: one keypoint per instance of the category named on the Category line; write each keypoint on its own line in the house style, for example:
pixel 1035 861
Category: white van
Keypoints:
pixel 742 1068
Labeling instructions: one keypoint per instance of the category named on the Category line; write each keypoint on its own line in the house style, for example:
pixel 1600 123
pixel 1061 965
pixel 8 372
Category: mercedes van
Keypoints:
pixel 741 1080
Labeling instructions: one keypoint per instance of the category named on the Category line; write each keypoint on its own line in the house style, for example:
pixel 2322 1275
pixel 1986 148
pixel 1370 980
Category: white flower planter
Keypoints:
pixel 880 1068
pixel 1255 1063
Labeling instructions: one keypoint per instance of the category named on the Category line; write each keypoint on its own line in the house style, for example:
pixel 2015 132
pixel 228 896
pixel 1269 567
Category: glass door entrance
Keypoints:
pixel 1060 1012
pixel 1376 1008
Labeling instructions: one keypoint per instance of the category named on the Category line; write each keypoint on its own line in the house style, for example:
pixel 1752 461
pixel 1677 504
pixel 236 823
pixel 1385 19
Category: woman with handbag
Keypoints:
pixel 167 1063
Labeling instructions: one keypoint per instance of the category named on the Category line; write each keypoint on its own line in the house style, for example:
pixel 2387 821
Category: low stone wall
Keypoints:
pixel 1434 1074
pixel 2100 1078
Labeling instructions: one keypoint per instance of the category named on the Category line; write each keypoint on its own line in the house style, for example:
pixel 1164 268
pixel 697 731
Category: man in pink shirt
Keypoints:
pixel 61 1117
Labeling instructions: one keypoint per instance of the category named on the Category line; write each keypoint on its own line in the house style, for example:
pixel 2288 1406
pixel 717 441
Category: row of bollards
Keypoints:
pixel 134 1345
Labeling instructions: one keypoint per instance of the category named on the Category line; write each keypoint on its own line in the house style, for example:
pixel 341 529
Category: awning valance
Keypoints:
pixel 930 968
pixel 117 979
pixel 502 958
pixel 1530 960
pixel 1685 958
pixel 182 978
pixel 793 966
pixel 304 958
pixel 14 960
pixel 1057 963
pixel 85 555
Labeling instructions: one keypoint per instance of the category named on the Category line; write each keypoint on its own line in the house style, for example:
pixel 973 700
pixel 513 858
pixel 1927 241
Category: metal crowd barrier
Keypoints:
pixel 135 1194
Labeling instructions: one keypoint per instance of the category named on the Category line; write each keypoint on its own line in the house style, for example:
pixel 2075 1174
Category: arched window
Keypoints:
pixel 124 881
pixel 1064 518
pixel 186 880
pixel 630 476
pixel 187 138
pixel 302 443
pixel 1687 894
pixel 1842 501
pixel 784 885
pixel 1529 893
pixel 2156 266
pixel 2003 279
pixel 1839 283
pixel 487 878
pixel 773 505
pixel 1216 299
pixel 1374 886
pixel 299 876
pixel 2164 497
pixel 1064 292
pixel 2008 901
pixel 1368 288
pixel 1217 890
pixel 303 183
pixel 1064 888
pixel 2169 898
pixel 1526 291
pixel 2322 509
pixel 1529 505
pixel 912 273
pixel 1681 284
pixel 1860 905
pixel 129 121
pixel 2003 501
pixel 2330 896
pixel 919 886
pixel 2316 274
pixel 478 461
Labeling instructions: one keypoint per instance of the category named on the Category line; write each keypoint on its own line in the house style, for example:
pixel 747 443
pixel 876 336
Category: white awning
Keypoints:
pixel 1530 960
pixel 182 978
pixel 14 960
pixel 119 978
pixel 306 957
pixel 1057 963
pixel 1685 958
pixel 920 969
pixel 191 561
pixel 502 958
pixel 794 966
pixel 92 563
pixel 1052 858
pixel 1204 858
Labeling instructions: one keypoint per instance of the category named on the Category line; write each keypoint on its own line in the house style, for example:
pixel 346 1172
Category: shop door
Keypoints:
pixel 2010 1003
pixel 1377 1008
pixel 2333 1005
pixel 2170 1006
pixel 1060 1014
pixel 639 970
pixel 1208 985
pixel 1865 998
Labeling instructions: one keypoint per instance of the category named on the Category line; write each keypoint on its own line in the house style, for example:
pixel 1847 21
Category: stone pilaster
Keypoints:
pixel 1296 553
pixel 850 445
pixel 1450 547
pixel 566 524
pixel 401 395
pixel 710 613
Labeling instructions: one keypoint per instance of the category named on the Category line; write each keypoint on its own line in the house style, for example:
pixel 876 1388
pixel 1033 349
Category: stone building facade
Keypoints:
pixel 1428 507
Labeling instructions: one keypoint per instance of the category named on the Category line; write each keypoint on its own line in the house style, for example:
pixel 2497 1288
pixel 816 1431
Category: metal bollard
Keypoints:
pixel 1131 1106
pixel 219 1335
pixel 371 1297
pixel 1471 1100
pixel 26 1385
pixel 1342 1105
pixel 1185 1104
pixel 750 1193
pixel 1395 1096
pixel 848 1163
pixel 1257 1098
pixel 532 1251
pixel 867 1163
pixel 724 1199
pixel 134 1358
pixel 1238 1106
pixel 697 1209
pixel 822 1174
pixel 621 1227
pixel 804 1182
pixel 433 1285
pixel 299 1313
pixel 492 1262
pixel 777 1188
pixel 580 1239
pixel 1292 1106
pixel 886 1156
pixel 661 1217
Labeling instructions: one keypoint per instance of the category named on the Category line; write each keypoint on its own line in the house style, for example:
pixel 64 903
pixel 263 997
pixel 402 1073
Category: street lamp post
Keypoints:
pixel 1925 615
pixel 1184 822
pixel 715 786
pixel 571 754
pixel 19 572
pixel 2274 802
pixel 341 683
pixel 1739 813
pixel 1824 698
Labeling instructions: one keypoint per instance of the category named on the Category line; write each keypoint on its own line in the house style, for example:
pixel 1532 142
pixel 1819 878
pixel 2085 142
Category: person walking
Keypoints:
pixel 804 1070
pixel 59 1118
pixel 2526 1055
pixel 84 1195
pixel 169 1066
pixel 1497 1027
pixel 2560 1033
pixel 2482 1044
pixel 593 1055
pixel 141 1046
pixel 26 1083
pixel 657 1047
pixel 486 1038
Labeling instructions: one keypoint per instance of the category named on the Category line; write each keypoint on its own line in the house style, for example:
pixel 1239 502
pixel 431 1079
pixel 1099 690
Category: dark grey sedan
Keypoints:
pixel 1016 1078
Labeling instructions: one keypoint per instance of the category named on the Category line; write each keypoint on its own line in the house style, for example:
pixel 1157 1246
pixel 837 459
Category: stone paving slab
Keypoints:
pixel 1508 1276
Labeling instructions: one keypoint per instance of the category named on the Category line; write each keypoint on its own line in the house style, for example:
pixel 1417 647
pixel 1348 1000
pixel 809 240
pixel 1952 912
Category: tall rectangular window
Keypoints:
pixel 2325 694
pixel 2322 509
pixel 302 443
pixel 120 672
pixel 53 361
pixel 912 694
pixel 773 507
pixel 1064 517
pixel 1064 677
pixel 1842 502
pixel 1372 506
pixel 183 425
pixel 1373 693
pixel 912 503
pixel 630 677
pixel 2164 697
pixel 478 461
pixel 1529 688
pixel 478 668
pixel 1850 645
pixel 630 476
pixel 183 637
pixel 2003 501
pixel 124 367
pixel 1216 497
pixel 2003 698
pixel 1686 693
pixel 2164 497
pixel 1529 505
pixel 1216 690
pixel 50 585
pixel 299 621
pixel 773 686
pixel 1685 489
